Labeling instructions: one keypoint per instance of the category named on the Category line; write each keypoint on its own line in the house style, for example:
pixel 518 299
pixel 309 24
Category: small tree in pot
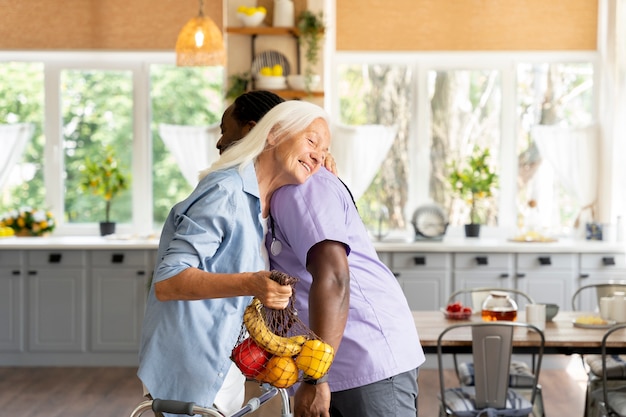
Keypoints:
pixel 103 177
pixel 473 180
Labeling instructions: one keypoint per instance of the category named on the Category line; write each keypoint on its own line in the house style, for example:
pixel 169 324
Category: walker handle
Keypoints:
pixel 173 407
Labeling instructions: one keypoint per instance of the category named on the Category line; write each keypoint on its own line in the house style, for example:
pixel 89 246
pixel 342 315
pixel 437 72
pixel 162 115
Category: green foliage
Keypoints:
pixel 473 180
pixel 29 221
pixel 311 28
pixel 238 84
pixel 104 178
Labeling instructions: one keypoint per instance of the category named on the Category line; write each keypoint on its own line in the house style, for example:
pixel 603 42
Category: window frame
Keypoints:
pixel 138 63
pixel 419 130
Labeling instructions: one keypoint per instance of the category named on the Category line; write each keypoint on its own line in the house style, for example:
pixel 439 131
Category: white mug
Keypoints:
pixel 536 315
pixel 606 307
pixel 618 309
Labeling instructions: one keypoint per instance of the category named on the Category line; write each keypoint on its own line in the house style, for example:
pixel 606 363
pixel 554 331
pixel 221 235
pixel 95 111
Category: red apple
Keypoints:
pixel 250 358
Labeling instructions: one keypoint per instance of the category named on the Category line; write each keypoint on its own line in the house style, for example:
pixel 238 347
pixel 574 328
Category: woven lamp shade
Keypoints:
pixel 200 43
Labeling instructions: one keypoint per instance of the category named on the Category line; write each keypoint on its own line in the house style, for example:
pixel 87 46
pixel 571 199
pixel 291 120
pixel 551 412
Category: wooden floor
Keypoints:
pixel 114 392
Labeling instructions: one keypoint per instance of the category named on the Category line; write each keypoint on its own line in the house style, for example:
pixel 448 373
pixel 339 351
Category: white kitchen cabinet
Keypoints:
pixel 118 294
pixel 424 277
pixel 11 301
pixel 597 268
pixel 547 278
pixel 56 303
pixel 479 269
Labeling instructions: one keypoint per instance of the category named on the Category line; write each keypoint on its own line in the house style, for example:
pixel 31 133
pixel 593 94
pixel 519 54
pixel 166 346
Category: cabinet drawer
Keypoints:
pixel 603 261
pixel 121 258
pixel 403 260
pixel 545 262
pixel 53 258
pixel 10 258
pixel 483 260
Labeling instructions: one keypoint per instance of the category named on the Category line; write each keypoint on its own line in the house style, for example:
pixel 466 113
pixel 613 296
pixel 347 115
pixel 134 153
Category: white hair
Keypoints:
pixel 284 121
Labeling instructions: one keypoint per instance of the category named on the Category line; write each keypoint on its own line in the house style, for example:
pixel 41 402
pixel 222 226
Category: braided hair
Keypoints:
pixel 253 105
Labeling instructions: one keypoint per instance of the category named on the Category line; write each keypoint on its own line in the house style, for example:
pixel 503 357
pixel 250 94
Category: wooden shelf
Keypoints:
pixel 263 30
pixel 297 94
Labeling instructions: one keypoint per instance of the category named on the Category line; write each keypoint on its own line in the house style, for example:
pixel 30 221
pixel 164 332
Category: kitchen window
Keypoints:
pixel 522 107
pixel 76 104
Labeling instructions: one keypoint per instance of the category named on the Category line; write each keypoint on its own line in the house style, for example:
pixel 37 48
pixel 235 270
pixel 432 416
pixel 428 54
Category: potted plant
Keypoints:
pixel 473 180
pixel 238 84
pixel 311 33
pixel 103 177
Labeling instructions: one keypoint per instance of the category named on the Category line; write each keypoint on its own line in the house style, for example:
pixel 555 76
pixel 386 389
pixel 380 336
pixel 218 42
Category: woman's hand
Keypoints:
pixel 329 163
pixel 269 292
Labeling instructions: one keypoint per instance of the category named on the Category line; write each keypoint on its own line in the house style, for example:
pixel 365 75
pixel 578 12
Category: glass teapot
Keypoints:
pixel 499 306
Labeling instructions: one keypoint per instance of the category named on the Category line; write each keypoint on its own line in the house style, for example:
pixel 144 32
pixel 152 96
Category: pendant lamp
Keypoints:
pixel 200 43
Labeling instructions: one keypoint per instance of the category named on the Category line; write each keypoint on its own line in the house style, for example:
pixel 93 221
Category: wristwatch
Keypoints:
pixel 311 381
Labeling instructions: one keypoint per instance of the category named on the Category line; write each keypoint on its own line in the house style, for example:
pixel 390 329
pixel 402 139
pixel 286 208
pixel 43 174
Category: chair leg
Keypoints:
pixel 538 408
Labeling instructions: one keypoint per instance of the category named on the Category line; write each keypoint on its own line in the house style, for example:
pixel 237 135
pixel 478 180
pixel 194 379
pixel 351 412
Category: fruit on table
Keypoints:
pixel 6 231
pixel 315 358
pixel 274 71
pixel 250 358
pixel 261 334
pixel 458 307
pixel 593 320
pixel 280 371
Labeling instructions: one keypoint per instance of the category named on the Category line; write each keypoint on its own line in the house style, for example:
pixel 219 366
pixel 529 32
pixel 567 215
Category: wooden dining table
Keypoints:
pixel 561 335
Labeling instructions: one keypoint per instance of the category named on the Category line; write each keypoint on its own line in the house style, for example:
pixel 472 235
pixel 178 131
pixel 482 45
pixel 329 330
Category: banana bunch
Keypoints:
pixel 261 334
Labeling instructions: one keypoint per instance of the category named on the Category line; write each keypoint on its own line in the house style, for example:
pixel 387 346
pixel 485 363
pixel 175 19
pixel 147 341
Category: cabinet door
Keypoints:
pixel 547 278
pixel 598 268
pixel 118 299
pixel 57 309
pixel 11 302
pixel 475 270
pixel 424 277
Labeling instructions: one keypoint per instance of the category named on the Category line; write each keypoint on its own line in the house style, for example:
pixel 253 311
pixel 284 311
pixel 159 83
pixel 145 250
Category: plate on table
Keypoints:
pixel 593 323
pixel 461 315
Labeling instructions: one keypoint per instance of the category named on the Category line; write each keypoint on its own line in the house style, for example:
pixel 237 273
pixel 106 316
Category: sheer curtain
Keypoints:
pixel 193 147
pixel 13 139
pixel 573 153
pixel 359 151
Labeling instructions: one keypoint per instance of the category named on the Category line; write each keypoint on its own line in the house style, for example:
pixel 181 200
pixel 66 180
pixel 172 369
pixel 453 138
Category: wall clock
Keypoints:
pixel 430 222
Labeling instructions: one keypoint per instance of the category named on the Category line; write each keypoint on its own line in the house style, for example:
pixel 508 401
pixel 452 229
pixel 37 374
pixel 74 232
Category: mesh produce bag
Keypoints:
pixel 276 347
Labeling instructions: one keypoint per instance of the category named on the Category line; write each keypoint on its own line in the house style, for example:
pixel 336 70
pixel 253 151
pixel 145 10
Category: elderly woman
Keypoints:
pixel 211 259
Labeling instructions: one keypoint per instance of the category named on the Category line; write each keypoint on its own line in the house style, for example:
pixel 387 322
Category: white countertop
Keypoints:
pixel 449 244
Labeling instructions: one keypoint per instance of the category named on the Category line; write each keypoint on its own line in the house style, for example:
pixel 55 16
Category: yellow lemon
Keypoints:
pixel 267 71
pixel 315 358
pixel 242 9
pixel 277 70
pixel 262 9
pixel 280 371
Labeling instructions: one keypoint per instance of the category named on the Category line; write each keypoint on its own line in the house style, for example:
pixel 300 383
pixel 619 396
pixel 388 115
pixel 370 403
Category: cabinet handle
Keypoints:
pixel 141 272
pixel 482 260
pixel 584 276
pixel 420 260
pixel 32 272
pixel 504 275
pixel 117 258
pixel 608 260
pixel 520 275
pixel 545 260
pixel 54 258
pixel 15 272
pixel 396 274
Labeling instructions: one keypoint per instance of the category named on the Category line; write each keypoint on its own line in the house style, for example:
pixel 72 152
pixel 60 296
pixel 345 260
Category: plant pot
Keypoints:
pixel 472 230
pixel 107 228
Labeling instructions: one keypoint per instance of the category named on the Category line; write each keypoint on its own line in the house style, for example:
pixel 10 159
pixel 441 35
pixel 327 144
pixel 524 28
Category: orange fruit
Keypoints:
pixel 280 371
pixel 315 358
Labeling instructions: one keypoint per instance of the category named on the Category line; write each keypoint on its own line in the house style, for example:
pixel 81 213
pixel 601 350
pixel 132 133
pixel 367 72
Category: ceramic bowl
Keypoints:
pixel 251 20
pixel 265 82
pixel 551 311
pixel 296 82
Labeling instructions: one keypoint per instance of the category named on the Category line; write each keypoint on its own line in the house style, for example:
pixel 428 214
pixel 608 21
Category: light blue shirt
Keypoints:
pixel 380 339
pixel 186 345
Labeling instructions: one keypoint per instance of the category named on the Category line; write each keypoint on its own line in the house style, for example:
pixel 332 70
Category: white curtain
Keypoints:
pixel 573 153
pixel 359 151
pixel 193 147
pixel 13 139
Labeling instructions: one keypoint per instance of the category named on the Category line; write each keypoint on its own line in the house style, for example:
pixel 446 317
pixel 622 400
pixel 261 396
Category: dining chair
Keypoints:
pixel 610 399
pixel 492 346
pixel 521 374
pixel 615 365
